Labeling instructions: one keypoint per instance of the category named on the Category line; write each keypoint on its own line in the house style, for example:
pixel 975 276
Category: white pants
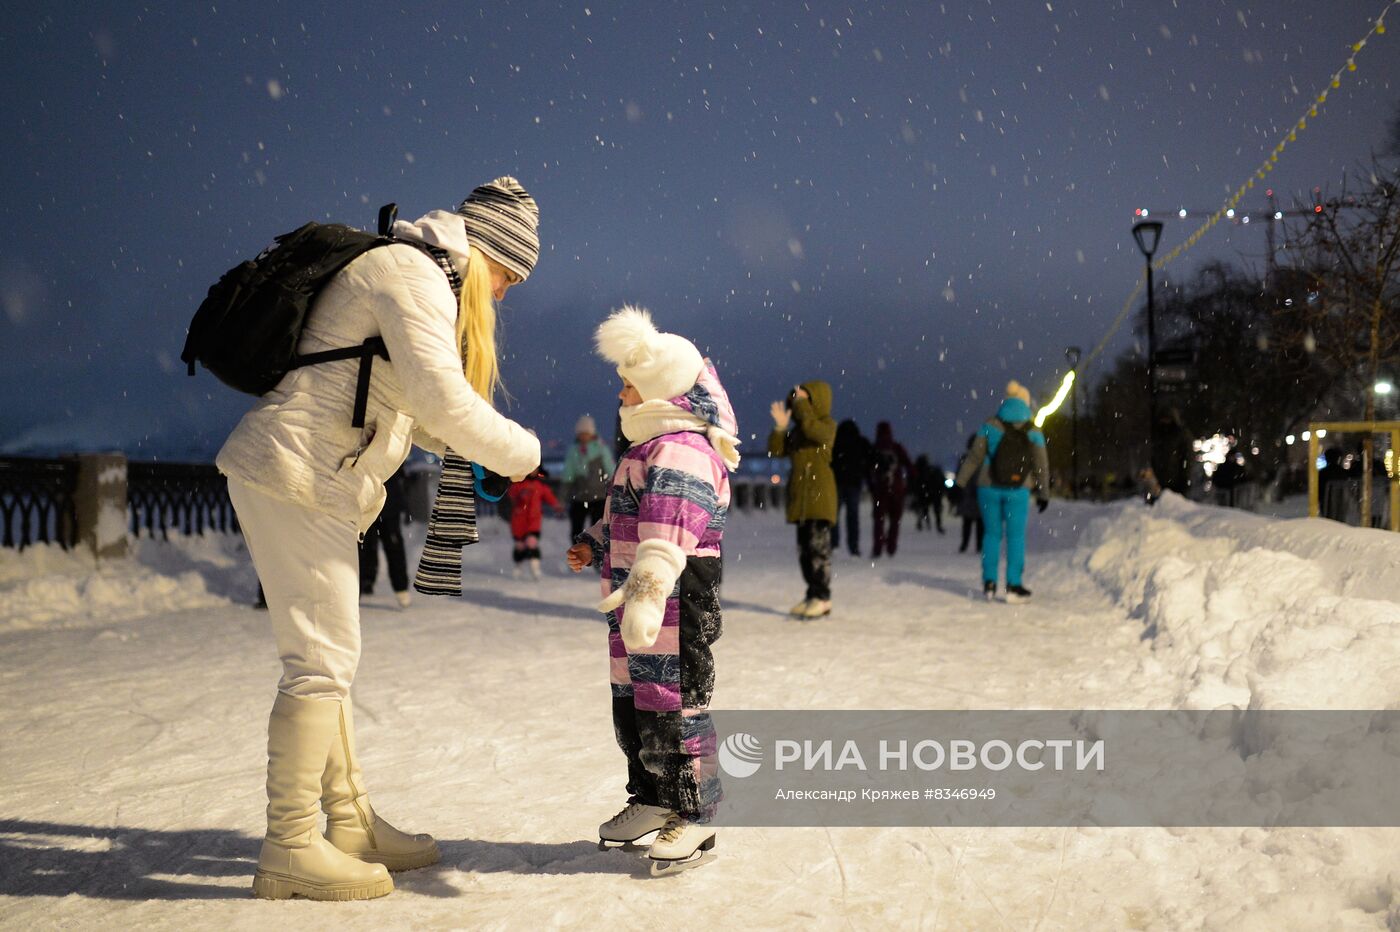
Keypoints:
pixel 309 565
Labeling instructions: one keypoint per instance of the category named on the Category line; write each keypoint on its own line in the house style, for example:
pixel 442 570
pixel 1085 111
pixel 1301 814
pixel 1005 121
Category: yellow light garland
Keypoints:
pixel 1287 136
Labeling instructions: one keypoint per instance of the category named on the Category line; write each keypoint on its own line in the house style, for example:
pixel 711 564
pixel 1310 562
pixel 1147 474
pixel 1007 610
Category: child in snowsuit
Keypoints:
pixel 528 499
pixel 658 550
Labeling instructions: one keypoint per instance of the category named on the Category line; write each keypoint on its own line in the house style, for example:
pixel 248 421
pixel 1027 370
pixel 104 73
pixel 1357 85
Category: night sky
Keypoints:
pixel 913 201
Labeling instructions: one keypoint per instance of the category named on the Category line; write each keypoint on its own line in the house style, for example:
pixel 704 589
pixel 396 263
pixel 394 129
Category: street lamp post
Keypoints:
pixel 1072 357
pixel 1148 233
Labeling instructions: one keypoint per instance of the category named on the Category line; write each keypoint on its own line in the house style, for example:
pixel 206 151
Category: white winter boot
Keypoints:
pixel 633 822
pixel 535 569
pixel 405 598
pixel 351 823
pixel 295 860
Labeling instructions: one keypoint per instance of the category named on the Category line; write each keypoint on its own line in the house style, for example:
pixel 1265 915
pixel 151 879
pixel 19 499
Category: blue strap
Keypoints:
pixel 479 472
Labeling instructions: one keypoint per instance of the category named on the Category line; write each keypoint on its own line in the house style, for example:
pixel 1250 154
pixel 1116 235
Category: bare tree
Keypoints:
pixel 1349 254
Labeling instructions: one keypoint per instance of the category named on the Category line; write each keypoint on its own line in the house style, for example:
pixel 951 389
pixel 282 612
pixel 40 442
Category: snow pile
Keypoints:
pixel 47 586
pixel 1251 612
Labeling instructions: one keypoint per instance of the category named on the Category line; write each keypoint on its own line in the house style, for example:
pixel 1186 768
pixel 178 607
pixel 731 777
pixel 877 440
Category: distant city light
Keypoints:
pixel 1213 450
pixel 1321 432
pixel 948 483
pixel 1230 213
pixel 1307 434
pixel 1289 439
pixel 1278 215
pixel 1244 219
pixel 1384 388
pixel 776 479
pixel 1181 213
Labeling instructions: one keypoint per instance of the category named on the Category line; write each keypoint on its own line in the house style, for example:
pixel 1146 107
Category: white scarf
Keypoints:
pixel 653 418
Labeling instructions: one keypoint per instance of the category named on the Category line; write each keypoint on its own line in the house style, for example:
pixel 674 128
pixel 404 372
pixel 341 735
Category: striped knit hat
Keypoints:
pixel 503 222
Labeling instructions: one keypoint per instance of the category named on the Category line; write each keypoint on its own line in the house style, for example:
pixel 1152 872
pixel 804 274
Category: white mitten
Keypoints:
pixel 658 565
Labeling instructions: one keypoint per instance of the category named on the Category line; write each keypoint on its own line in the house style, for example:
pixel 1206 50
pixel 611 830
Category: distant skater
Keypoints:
pixel 804 431
pixel 1007 461
pixel 528 499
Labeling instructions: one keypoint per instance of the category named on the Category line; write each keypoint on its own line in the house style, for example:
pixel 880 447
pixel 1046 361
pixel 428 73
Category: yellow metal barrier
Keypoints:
pixel 1356 427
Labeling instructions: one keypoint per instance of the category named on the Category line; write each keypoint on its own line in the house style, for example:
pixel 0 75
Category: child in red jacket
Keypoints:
pixel 528 499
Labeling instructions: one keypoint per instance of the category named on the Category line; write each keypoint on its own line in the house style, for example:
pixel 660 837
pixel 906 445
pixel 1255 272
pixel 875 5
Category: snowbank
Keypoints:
pixel 1253 612
pixel 47 586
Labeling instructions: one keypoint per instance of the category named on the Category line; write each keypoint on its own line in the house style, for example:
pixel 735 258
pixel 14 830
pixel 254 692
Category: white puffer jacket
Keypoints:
pixel 297 444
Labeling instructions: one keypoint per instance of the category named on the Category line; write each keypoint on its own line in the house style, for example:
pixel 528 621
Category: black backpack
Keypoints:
pixel 1015 456
pixel 246 330
pixel 885 465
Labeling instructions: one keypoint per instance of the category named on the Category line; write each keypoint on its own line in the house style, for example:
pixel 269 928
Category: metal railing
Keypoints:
pixel 187 498
pixel 38 501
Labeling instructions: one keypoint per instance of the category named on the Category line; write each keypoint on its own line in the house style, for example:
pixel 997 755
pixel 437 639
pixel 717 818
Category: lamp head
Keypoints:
pixel 1147 233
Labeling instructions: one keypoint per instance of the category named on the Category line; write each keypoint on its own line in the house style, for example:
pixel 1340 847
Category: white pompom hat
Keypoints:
pixel 660 365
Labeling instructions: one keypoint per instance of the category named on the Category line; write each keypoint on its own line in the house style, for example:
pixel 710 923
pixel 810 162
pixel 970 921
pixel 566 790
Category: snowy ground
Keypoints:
pixel 134 699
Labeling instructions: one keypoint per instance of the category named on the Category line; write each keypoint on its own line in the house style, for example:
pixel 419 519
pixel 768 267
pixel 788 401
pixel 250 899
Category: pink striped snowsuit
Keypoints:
pixel 675 488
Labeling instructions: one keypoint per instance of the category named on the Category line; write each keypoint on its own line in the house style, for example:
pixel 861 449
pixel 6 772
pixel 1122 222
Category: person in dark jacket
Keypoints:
pixel 1230 476
pixel 889 482
pixel 1331 485
pixel 965 502
pixel 1004 487
pixel 804 431
pixel 1173 451
pixel 588 470
pixel 850 463
pixel 928 494
pixel 388 532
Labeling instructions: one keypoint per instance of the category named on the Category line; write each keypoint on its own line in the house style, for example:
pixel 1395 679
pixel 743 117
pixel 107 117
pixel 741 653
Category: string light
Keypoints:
pixel 1055 402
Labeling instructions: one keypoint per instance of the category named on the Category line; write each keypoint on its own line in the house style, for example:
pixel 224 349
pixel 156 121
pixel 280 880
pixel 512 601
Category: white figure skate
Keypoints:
pixel 634 822
pixel 681 845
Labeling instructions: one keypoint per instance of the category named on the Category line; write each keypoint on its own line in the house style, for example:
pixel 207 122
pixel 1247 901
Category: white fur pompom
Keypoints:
pixel 625 339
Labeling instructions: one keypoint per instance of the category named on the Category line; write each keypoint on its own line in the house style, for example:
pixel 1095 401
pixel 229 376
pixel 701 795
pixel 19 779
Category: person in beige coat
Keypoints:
pixel 306 485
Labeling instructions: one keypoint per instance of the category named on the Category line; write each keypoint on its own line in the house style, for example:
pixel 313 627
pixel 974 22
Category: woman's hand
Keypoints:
pixel 781 415
pixel 580 555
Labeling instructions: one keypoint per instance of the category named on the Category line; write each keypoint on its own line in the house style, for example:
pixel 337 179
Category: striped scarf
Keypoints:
pixel 452 525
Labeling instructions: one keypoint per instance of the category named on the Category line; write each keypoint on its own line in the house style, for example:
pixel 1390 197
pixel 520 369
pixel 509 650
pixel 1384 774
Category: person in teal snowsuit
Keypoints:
pixel 1005 505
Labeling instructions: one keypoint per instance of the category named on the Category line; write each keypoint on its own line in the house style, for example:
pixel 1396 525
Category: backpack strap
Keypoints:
pixel 387 215
pixel 365 353
pixel 374 346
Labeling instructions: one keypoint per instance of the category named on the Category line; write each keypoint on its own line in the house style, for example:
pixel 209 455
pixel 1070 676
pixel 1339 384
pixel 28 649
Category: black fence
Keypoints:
pixel 38 501
pixel 182 497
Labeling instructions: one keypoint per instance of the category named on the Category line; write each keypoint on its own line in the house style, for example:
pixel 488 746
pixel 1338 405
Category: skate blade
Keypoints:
pixel 605 844
pixel 1016 599
pixel 661 868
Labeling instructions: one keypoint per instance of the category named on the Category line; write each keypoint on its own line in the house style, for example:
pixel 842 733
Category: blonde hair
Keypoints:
pixel 476 327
